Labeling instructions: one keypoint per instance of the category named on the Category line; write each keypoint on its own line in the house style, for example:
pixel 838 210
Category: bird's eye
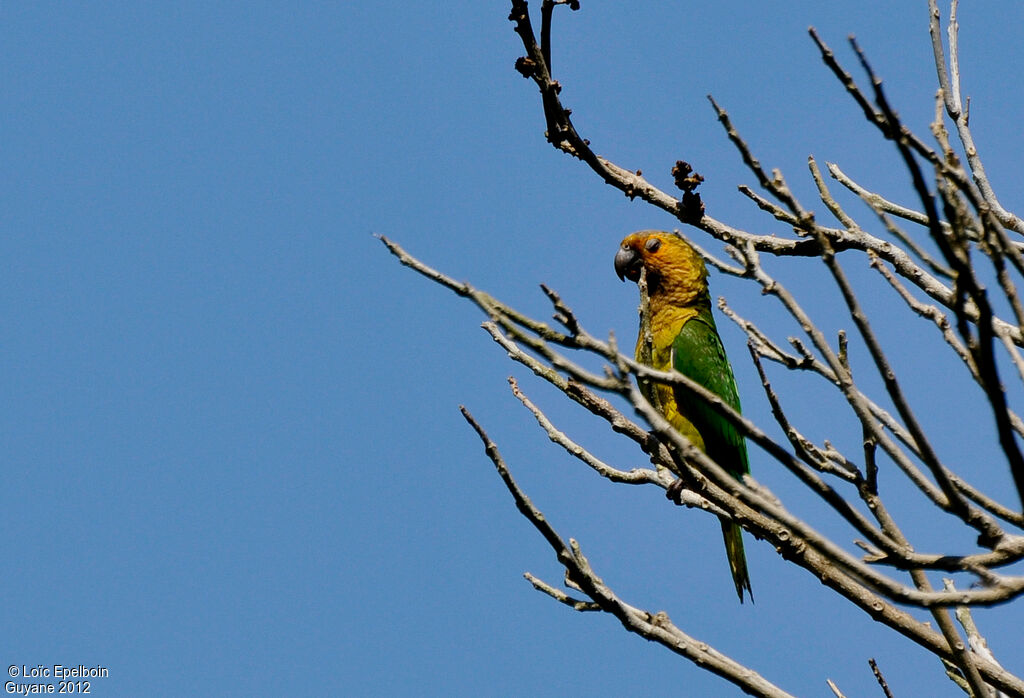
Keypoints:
pixel 652 244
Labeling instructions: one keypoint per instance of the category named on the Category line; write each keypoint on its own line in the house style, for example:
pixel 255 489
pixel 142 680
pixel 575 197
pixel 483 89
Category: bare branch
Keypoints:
pixel 637 476
pixel 835 689
pixel 959 261
pixel 933 267
pixel 795 542
pixel 949 82
pixel 652 626
pixel 881 679
pixel 561 596
pixel 881 207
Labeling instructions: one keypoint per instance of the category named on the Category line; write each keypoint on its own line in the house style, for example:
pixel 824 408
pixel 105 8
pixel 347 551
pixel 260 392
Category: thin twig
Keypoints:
pixel 949 82
pixel 835 689
pixel 652 626
pixel 879 678
pixel 561 596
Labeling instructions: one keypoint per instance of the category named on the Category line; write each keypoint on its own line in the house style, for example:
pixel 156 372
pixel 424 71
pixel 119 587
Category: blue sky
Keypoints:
pixel 234 460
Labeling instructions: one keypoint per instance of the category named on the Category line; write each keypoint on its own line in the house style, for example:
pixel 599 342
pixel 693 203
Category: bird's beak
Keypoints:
pixel 627 264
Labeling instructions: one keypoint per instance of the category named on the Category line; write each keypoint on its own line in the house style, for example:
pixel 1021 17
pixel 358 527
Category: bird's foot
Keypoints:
pixel 675 491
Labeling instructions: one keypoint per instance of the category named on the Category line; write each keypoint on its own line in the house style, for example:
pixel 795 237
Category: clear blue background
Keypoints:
pixel 233 461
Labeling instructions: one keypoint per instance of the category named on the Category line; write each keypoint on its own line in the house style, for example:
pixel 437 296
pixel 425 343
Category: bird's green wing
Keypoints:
pixel 698 354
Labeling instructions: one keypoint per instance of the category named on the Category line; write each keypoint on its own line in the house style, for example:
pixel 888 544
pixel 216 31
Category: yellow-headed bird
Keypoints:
pixel 685 338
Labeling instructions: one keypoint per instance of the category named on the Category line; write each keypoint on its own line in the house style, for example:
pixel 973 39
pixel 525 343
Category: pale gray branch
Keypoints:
pixel 653 626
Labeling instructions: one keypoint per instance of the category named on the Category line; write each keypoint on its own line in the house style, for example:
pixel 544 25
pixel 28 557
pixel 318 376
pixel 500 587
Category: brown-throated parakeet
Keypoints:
pixel 685 338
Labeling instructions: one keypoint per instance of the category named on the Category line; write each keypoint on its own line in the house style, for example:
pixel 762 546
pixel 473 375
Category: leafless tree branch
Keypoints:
pixel 748 503
pixel 652 626
pixel 882 683
pixel 957 237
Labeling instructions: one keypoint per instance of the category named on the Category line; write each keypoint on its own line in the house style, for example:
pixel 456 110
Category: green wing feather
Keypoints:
pixel 698 353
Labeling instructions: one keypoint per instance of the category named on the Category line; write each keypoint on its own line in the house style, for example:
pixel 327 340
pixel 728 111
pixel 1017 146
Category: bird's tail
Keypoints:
pixel 733 535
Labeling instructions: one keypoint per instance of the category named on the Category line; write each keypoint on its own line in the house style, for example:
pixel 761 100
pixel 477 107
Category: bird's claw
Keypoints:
pixel 675 492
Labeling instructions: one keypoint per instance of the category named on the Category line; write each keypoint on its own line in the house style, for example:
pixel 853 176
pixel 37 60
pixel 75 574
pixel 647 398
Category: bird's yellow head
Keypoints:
pixel 676 274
